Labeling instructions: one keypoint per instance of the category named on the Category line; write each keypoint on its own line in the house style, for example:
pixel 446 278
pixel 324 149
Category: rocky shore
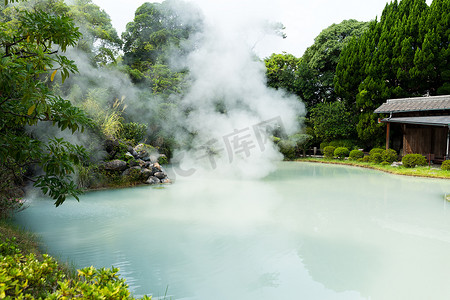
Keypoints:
pixel 140 165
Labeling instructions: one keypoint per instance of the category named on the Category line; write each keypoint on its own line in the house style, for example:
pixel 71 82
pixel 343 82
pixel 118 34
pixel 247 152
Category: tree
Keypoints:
pixel 332 121
pixel 157 30
pixel 404 54
pixel 320 60
pixel 281 71
pixel 30 58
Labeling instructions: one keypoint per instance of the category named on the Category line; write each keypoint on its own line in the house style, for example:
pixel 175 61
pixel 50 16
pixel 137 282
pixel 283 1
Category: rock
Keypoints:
pixel 147 158
pixel 160 175
pixel 128 155
pixel 132 171
pixel 133 162
pixel 142 152
pixel 111 145
pixel 146 173
pixel 147 165
pixel 157 167
pixel 152 180
pixel 115 165
pixel 166 181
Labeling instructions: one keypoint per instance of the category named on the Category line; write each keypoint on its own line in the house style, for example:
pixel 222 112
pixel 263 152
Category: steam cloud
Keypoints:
pixel 229 97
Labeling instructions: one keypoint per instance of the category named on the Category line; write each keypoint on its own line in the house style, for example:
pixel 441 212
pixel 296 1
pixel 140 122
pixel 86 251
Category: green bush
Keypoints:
pixel 328 151
pixel 376 150
pixel 162 160
pixel 445 165
pixel 287 148
pixel 385 163
pixel 341 152
pixel 323 145
pixel 356 154
pixel 413 160
pixel 133 131
pixel 389 155
pixel 349 144
pixel 366 158
pixel 27 277
pixel 376 158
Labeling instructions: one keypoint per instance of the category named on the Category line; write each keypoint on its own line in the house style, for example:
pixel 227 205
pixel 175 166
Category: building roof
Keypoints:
pixel 431 121
pixel 415 104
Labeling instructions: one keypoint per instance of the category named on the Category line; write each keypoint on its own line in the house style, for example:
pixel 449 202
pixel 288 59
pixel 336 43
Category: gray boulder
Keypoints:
pixel 116 165
pixel 136 170
pixel 166 181
pixel 153 180
pixel 146 173
pixel 160 175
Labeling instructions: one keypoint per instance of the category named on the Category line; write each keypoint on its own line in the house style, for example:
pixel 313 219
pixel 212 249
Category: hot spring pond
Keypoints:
pixel 307 231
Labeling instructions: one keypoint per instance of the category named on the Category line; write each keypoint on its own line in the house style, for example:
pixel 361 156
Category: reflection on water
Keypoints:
pixel 308 231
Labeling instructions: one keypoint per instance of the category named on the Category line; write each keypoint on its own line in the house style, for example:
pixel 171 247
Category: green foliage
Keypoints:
pixel 445 165
pixel 349 144
pixel 385 163
pixel 281 71
pixel 323 145
pixel 328 151
pixel 29 61
pixel 133 131
pixel 287 148
pixel 27 277
pixel 404 53
pixel 331 121
pixel 341 152
pixel 356 154
pixel 376 158
pixel 157 29
pixel 8 206
pixel 413 160
pixel 376 150
pixel 318 64
pixel 162 160
pixel 366 158
pixel 389 155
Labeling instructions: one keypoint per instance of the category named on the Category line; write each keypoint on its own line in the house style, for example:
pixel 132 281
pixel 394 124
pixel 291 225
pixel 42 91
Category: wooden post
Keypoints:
pixel 387 134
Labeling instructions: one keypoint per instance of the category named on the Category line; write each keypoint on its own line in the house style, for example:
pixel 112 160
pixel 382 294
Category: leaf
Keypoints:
pixel 53 75
pixel 31 109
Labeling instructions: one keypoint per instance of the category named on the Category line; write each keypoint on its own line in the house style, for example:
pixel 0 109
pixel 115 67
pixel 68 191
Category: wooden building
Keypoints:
pixel 420 125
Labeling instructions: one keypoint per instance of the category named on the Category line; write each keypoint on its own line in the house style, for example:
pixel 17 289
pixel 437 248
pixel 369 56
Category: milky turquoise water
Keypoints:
pixel 307 231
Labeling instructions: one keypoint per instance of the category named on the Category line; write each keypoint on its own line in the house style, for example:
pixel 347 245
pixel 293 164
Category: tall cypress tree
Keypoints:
pixel 404 54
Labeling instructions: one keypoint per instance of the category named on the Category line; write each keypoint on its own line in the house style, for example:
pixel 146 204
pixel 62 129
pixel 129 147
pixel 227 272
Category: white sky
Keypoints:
pixel 303 19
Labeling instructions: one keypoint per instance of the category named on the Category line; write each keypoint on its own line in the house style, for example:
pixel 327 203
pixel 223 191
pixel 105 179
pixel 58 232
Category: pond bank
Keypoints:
pixel 429 172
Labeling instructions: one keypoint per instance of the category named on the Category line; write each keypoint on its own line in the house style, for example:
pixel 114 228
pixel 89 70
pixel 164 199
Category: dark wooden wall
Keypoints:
pixel 425 140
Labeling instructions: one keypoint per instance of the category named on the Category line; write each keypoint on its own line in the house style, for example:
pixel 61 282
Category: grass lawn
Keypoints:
pixel 433 171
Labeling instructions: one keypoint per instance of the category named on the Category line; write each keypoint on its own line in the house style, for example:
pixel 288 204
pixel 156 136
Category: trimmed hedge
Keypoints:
pixel 341 152
pixel 389 155
pixel 356 154
pixel 413 160
pixel 376 158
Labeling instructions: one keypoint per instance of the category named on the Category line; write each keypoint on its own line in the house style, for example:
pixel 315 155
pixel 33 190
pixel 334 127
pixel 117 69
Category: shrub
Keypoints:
pixel 27 277
pixel 133 131
pixel 385 163
pixel 376 150
pixel 376 158
pixel 413 160
pixel 341 152
pixel 445 165
pixel 366 158
pixel 349 144
pixel 328 151
pixel 162 160
pixel 287 148
pixel 389 155
pixel 323 145
pixel 356 154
